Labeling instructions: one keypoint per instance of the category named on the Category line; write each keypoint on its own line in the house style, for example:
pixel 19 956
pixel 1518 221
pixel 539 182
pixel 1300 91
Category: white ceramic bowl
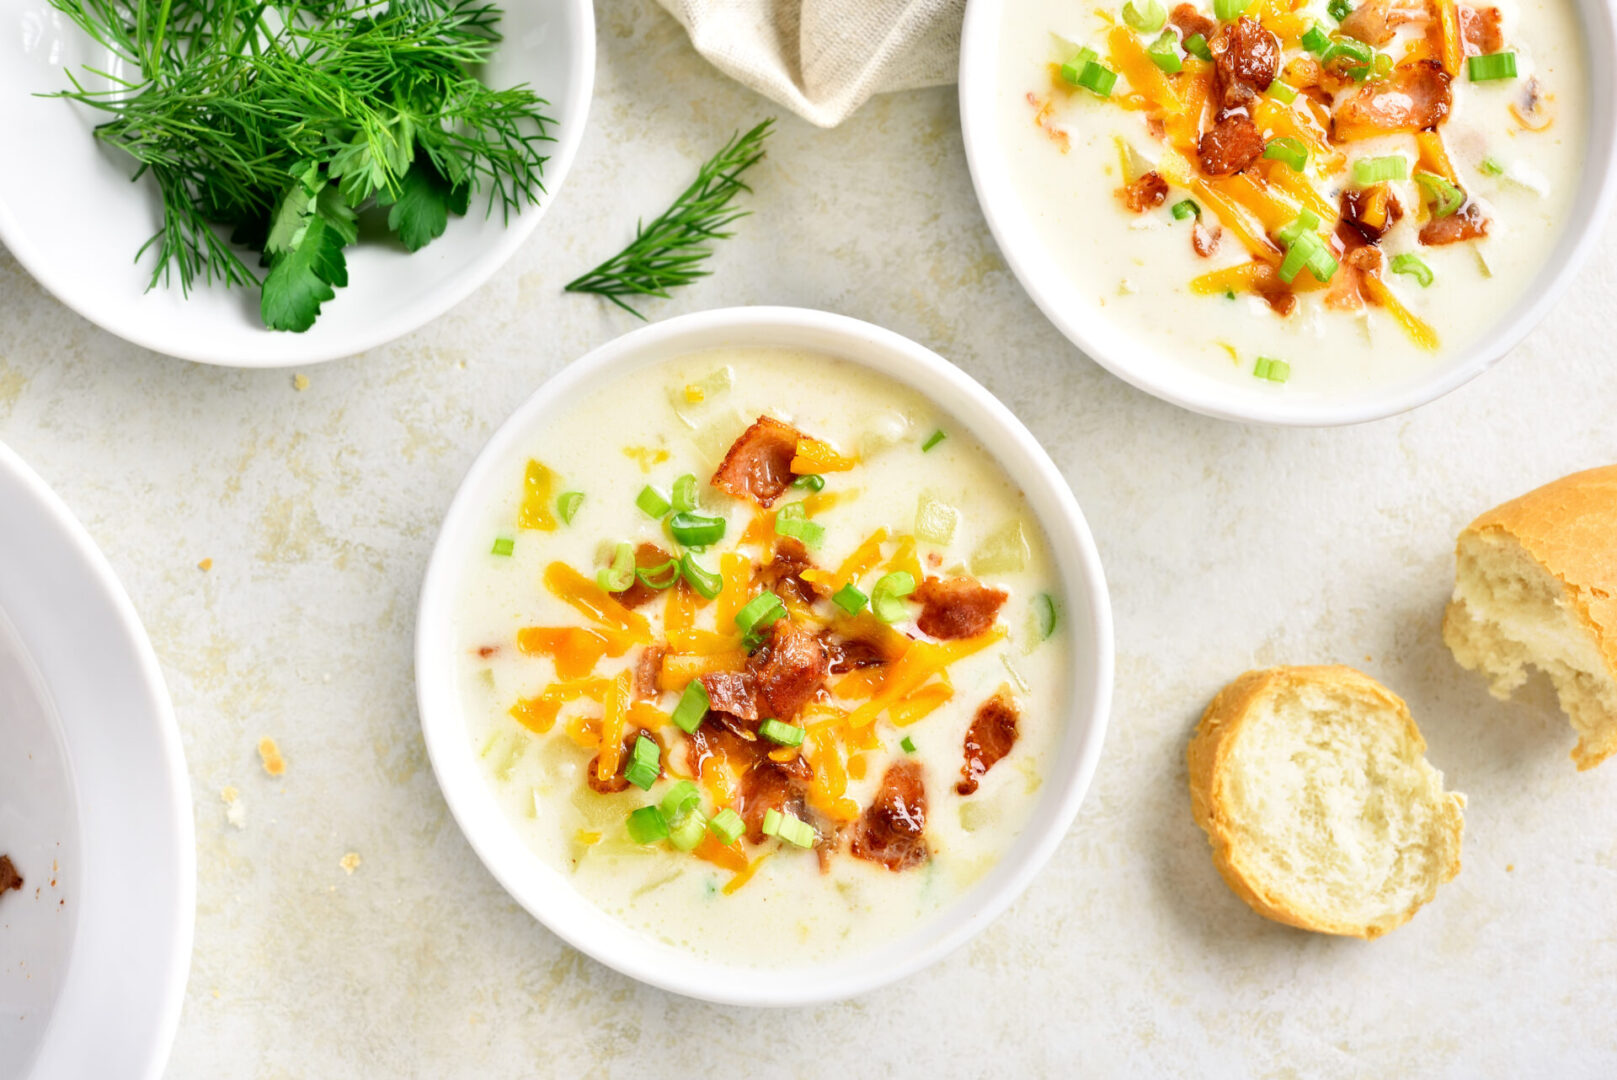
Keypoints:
pixel 545 892
pixel 1075 314
pixel 95 809
pixel 72 218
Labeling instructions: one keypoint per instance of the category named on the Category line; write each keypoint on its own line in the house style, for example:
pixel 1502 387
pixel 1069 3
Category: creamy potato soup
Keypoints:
pixel 762 653
pixel 1328 194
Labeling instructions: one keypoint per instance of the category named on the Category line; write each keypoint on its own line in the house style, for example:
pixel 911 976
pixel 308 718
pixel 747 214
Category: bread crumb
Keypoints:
pixel 235 809
pixel 205 565
pixel 349 862
pixel 300 382
pixel 274 763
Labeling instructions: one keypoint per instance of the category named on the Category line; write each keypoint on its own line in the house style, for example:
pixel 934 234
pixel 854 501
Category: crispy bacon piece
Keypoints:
pixel 1466 223
pixel 1145 193
pixel 1205 240
pixel 647 670
pixel 646 557
pixel 785 572
pixel 1347 291
pixel 732 692
pixel 892 829
pixel 961 607
pixel 619 782
pixel 1481 31
pixel 718 742
pixel 1415 97
pixel 788 669
pixel 759 464
pixel 773 785
pixel 1250 58
pixel 1230 145
pixel 850 654
pixel 1190 21
pixel 1355 205
pixel 1376 22
pixel 990 737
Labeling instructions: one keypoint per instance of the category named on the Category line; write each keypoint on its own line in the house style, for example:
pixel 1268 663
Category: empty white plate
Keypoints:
pixel 95 809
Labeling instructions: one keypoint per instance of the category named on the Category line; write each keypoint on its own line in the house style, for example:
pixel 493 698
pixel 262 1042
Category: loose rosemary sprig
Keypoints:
pixel 670 251
pixel 282 120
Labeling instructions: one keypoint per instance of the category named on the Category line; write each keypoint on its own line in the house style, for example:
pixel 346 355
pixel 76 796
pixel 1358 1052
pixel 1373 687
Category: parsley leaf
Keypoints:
pixel 420 212
pixel 304 276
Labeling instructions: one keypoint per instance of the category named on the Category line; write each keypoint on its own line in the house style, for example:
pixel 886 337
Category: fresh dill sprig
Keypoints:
pixel 281 120
pixel 670 251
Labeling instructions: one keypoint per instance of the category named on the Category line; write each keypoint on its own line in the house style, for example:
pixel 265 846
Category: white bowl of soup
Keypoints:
pixel 1293 211
pixel 764 656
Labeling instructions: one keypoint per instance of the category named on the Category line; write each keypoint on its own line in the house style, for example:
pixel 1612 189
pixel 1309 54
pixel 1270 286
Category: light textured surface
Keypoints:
pixel 1226 547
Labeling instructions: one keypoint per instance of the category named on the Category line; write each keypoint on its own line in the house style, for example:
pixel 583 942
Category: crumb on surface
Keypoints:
pixel 274 763
pixel 9 878
pixel 300 381
pixel 205 565
pixel 349 862
pixel 235 809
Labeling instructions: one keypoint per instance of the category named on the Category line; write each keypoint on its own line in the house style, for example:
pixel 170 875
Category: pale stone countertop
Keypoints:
pixel 1226 547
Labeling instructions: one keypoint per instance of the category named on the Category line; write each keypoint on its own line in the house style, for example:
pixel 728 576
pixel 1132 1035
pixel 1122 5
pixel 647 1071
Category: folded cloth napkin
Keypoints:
pixel 823 58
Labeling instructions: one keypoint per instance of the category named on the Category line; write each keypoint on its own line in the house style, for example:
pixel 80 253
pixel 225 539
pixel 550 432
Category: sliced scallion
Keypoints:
pixel 504 545
pixel 1414 266
pixel 791 520
pixel 1491 166
pixel 1274 370
pixel 794 831
pixel 620 575
pixel 887 598
pixel 567 504
pixel 1287 151
pixel 680 800
pixel 1306 221
pixel 772 820
pixel 651 502
pixel 780 733
pixel 1316 40
pixel 1164 52
pixel 727 826
pixel 686 834
pixel 647 825
pixel 1376 169
pixel 1225 10
pixel 707 585
pixel 1185 208
pixel 1339 9
pixel 850 599
pixel 1350 48
pixel 1074 67
pixel 809 482
pixel 933 440
pixel 1147 21
pixel 760 612
pixel 908 744
pixel 1196 45
pixel 684 495
pixel 1444 196
pixel 1097 79
pixel 696 530
pixel 661 577
pixel 1499 65
pixel 1282 92
pixel 1044 614
pixel 692 707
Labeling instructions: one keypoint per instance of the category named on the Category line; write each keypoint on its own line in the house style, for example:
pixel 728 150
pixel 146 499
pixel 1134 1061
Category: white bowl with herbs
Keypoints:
pixel 308 187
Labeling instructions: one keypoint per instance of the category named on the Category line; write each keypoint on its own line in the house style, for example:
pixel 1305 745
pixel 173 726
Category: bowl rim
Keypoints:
pixel 979 66
pixel 854 342
pixel 580 92
pixel 86 993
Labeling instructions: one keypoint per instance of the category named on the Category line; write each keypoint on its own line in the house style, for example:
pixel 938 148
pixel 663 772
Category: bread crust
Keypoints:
pixel 1569 527
pixel 1208 757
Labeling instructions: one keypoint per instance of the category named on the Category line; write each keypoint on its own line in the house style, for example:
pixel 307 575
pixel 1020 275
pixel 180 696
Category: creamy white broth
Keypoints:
pixel 1135 269
pixel 789 912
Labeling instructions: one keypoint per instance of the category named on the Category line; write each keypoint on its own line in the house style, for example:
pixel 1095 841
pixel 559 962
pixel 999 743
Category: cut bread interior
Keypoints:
pixel 1321 808
pixel 1508 613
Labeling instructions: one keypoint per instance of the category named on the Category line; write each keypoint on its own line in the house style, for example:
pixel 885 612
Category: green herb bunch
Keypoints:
pixel 278 122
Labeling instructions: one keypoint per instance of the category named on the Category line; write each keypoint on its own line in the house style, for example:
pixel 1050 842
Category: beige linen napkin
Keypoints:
pixel 823 58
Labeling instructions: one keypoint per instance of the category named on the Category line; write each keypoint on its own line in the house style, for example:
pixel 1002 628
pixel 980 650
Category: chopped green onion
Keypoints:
pixel 727 826
pixel 692 707
pixel 1356 51
pixel 1339 9
pixel 1272 369
pixel 1229 294
pixel 1097 79
pixel 1306 222
pixel 1445 197
pixel 661 577
pixel 810 482
pixel 647 825
pixel 680 800
pixel 1499 65
pixel 1072 68
pixel 1491 167
pixel 567 504
pixel 887 598
pixel 791 520
pixel 794 831
pixel 1044 611
pixel 645 764
pixel 1322 264
pixel 696 530
pixel 782 734
pixel 1148 21
pixel 1164 52
pixel 684 499
pixel 1196 45
pixel 772 820
pixel 933 440
pixel 1282 92
pixel 1308 250
pixel 504 545
pixel 760 612
pixel 1185 208
pixel 850 599
pixel 1225 10
pixel 1414 266
pixel 1376 169
pixel 688 833
pixel 707 585
pixel 1316 40
pixel 1287 151
pixel 908 744
pixel 620 575
pixel 651 502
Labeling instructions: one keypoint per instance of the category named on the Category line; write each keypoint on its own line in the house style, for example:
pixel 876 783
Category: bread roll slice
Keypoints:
pixel 1313 788
pixel 1536 584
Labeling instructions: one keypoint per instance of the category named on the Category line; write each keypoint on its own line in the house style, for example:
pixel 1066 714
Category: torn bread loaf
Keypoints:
pixel 1323 813
pixel 1536 584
